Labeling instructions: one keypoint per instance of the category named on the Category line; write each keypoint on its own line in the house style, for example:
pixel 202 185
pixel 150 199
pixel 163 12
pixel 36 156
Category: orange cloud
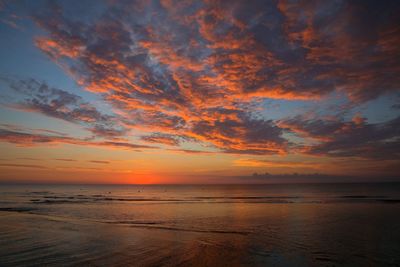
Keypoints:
pixel 197 70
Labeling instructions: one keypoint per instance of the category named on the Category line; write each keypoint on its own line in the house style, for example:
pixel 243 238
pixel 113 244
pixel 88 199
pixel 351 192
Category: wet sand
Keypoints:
pixel 39 240
pixel 342 225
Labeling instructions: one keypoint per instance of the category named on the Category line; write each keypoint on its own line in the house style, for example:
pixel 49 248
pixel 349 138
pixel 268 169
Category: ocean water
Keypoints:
pixel 200 225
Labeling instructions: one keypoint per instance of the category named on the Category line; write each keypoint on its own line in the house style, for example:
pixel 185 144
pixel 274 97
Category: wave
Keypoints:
pixel 362 197
pixel 249 197
pixel 17 209
pixel 194 230
pixel 71 199
pixel 162 225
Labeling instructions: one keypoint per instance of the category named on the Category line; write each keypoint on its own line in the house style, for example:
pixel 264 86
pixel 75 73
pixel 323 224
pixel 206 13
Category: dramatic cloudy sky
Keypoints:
pixel 199 91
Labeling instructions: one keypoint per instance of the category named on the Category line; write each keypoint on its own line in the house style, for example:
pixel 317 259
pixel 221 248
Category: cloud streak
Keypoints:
pixel 23 166
pixel 26 139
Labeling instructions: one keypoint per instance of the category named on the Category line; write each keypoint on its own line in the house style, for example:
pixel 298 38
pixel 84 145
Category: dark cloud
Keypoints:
pixel 99 161
pixel 243 135
pixel 355 138
pixel 347 45
pixel 57 103
pixel 191 151
pixel 27 139
pixel 160 138
pixel 308 178
pixel 17 128
pixel 68 160
pixel 23 166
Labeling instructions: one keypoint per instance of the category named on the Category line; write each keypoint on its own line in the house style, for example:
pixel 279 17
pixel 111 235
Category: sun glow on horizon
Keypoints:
pixel 167 92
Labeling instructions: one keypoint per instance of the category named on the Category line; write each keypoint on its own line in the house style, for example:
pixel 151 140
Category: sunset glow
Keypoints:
pixel 145 92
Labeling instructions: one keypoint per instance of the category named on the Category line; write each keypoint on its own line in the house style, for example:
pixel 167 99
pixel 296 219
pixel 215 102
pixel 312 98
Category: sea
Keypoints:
pixel 200 225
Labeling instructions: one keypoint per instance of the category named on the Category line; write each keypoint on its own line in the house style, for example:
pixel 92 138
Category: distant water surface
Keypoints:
pixel 200 225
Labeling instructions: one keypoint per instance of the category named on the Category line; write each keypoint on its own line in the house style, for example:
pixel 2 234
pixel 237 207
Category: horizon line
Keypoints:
pixel 199 184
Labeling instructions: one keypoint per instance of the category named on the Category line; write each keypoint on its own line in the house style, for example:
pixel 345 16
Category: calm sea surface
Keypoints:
pixel 200 225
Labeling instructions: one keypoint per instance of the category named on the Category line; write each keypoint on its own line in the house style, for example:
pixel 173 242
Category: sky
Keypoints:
pixel 206 91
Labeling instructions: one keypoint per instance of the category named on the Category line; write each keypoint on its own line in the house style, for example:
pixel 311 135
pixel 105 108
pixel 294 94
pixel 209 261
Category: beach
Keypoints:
pixel 200 225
